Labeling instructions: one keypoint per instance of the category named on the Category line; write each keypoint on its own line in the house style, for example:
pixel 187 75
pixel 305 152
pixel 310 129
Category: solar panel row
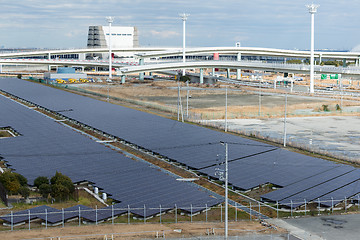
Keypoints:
pixel 46 146
pixel 55 216
pixel 254 163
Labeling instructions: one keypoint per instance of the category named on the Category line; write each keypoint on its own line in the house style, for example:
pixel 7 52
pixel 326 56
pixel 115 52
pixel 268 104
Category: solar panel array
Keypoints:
pixel 46 146
pixel 251 163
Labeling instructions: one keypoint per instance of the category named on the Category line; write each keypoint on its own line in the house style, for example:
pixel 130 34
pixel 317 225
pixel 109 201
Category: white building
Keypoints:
pixel 121 37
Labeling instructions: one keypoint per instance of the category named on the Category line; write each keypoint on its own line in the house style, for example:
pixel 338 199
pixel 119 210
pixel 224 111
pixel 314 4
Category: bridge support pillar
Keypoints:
pixel 49 58
pixel 0 68
pixel 201 75
pixel 344 62
pixel 238 71
pixel 141 75
pixel 150 73
pixel 238 74
pixel 320 58
pixel 228 73
pixel 213 72
pixel 123 79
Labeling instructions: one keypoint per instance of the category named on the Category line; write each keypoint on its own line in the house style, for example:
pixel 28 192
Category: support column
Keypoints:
pixel 201 75
pixel 150 73
pixel 344 62
pixel 213 72
pixel 123 79
pixel 238 71
pixel 141 75
pixel 228 73
pixel 320 58
pixel 0 68
pixel 49 58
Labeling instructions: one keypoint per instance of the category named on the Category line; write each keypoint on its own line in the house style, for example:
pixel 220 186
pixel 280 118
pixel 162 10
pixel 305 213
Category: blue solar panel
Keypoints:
pixel 307 183
pixel 25 215
pixel 46 146
pixel 322 189
pixel 251 163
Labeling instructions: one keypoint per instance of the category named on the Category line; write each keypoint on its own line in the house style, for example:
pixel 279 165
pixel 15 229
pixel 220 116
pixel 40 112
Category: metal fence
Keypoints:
pixel 46 216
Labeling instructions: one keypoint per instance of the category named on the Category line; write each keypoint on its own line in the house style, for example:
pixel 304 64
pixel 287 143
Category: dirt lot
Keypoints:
pixel 208 101
pixel 139 231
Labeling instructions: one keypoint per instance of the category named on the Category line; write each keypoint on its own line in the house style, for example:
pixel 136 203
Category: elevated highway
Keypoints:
pixel 78 51
pixel 156 52
pixel 64 62
pixel 252 51
pixel 252 65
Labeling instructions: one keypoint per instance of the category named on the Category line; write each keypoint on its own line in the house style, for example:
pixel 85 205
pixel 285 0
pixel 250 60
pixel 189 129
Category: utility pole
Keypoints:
pixel 285 120
pixel 220 172
pixel 110 21
pixel 226 110
pixel 312 10
pixel 187 99
pixel 184 18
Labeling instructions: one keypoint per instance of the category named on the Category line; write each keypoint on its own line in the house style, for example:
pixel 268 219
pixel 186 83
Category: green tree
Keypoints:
pixel 60 192
pixel 61 186
pixel 184 78
pixel 10 182
pixel 24 191
pixel 41 180
pixel 22 180
pixel 45 190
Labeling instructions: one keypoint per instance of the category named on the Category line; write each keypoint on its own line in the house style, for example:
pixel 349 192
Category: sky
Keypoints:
pixel 283 24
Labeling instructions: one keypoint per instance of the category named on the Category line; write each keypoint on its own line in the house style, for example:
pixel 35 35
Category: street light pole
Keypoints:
pixel 312 10
pixel 226 191
pixel 184 18
pixel 110 21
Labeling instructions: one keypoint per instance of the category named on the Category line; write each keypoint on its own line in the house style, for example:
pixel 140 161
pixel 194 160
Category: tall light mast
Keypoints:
pixel 110 21
pixel 312 10
pixel 184 18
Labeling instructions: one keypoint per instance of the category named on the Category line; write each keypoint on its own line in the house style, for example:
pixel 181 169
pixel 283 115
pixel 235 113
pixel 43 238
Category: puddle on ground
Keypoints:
pixel 331 222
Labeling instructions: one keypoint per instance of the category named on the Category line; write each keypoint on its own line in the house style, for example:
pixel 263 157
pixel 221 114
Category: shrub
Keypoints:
pixel 184 78
pixel 325 108
pixel 338 108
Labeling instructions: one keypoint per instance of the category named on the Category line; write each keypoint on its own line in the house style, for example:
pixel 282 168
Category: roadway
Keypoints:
pixel 155 52
pixel 252 65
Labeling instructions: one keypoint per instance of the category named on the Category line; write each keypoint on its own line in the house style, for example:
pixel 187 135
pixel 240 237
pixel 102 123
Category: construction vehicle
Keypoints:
pixel 60 81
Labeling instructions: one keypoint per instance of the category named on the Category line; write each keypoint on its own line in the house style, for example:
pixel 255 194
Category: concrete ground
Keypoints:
pixel 335 135
pixel 333 227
